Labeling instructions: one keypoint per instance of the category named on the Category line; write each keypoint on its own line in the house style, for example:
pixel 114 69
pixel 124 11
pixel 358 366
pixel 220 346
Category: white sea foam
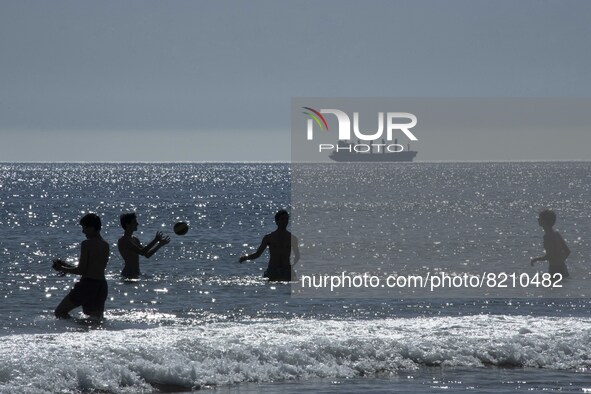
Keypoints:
pixel 276 350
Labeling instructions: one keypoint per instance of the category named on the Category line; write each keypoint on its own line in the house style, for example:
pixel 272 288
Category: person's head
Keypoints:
pixel 91 224
pixel 282 218
pixel 128 221
pixel 547 218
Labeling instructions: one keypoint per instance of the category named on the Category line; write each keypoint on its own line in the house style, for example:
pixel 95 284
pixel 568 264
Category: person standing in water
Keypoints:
pixel 91 291
pixel 556 249
pixel 280 243
pixel 131 249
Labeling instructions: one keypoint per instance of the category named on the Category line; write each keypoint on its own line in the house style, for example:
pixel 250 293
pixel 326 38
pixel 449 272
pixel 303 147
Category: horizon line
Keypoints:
pixel 282 161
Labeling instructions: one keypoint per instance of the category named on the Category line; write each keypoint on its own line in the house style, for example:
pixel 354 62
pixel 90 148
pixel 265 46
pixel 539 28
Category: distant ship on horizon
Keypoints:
pixel 342 154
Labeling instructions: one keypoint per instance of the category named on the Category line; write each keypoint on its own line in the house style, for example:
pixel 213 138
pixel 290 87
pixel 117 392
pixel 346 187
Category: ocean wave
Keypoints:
pixel 227 353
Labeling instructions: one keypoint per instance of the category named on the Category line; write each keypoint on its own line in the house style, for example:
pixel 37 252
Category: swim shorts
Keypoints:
pixel 91 294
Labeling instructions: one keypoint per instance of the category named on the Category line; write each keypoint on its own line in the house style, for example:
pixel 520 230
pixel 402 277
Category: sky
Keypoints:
pixel 213 81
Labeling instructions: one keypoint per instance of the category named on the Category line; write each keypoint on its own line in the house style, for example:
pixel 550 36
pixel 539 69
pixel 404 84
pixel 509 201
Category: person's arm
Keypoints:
pixel 146 251
pixel 157 238
pixel 258 253
pixel 64 268
pixel 547 246
pixel 541 258
pixel 160 242
pixel 296 249
pixel 127 243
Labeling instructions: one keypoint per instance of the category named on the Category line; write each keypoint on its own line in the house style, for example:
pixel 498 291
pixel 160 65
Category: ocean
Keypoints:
pixel 199 320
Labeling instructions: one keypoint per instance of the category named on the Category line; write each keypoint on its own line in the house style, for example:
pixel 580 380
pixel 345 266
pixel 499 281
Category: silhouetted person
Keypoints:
pixel 556 249
pixel 91 291
pixel 280 243
pixel 131 248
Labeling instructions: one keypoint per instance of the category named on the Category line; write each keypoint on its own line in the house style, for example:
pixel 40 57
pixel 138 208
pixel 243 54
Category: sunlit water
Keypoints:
pixel 197 318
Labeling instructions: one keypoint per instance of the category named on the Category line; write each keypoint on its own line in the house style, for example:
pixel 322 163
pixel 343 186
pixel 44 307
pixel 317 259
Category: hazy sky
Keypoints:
pixel 196 80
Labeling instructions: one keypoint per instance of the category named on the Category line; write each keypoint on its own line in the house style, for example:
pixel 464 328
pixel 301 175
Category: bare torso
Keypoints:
pixel 556 250
pixel 128 246
pixel 94 257
pixel 279 242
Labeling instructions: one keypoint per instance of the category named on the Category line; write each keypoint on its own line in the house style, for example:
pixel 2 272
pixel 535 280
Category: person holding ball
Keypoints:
pixel 131 248
pixel 91 291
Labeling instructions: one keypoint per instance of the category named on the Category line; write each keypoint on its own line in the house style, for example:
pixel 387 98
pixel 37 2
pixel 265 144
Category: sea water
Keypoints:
pixel 197 319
